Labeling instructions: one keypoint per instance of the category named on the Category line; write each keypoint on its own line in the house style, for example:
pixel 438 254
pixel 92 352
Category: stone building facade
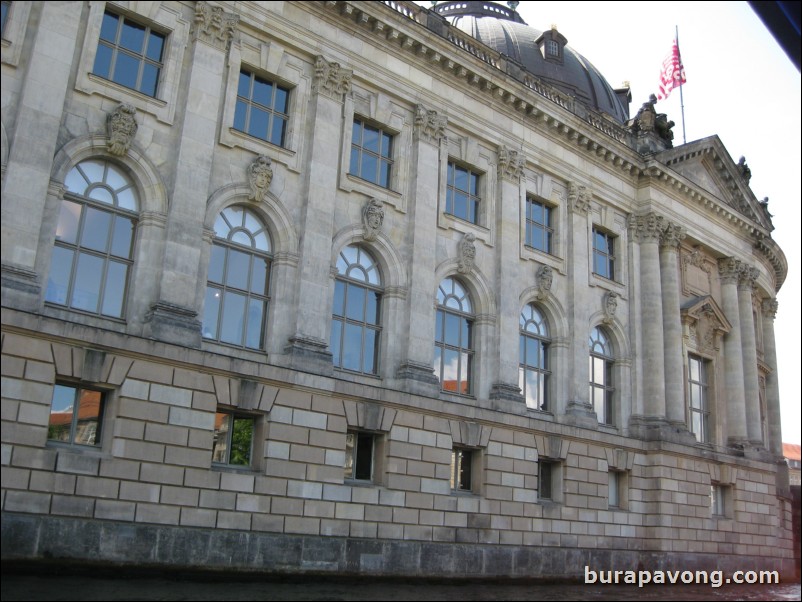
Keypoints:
pixel 336 286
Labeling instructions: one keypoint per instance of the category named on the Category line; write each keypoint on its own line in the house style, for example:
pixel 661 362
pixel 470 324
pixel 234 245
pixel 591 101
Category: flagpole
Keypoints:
pixel 681 100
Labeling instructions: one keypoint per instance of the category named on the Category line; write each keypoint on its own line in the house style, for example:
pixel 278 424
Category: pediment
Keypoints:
pixel 704 324
pixel 707 163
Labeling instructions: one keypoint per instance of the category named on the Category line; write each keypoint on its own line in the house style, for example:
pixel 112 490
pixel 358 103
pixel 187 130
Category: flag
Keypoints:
pixel 672 75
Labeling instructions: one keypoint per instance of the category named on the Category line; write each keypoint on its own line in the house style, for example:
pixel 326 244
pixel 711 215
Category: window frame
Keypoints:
pixel 546 226
pixel 720 500
pixel 703 387
pixel 472 195
pixel 340 322
pixel 380 157
pixel 618 485
pixel 542 369
pixel 272 112
pixel 607 253
pixel 356 454
pixel 606 383
pixel 235 415
pixel 465 465
pixel 75 418
pixel 253 254
pixel 141 56
pixel 549 475
pixel 79 248
pixel 466 328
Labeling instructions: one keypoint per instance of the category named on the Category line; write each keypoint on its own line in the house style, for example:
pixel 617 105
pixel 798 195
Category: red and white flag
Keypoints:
pixel 672 75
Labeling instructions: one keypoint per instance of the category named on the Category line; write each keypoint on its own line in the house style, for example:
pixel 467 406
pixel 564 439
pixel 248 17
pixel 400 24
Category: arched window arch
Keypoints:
pixel 601 375
pixel 534 367
pixel 93 250
pixel 356 319
pixel 237 292
pixel 453 340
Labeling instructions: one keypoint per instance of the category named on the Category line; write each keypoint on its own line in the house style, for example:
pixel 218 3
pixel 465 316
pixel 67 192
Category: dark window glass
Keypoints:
pixel 603 254
pixel 462 199
pixel 371 153
pixel 359 450
pixel 261 109
pixel 453 347
pixel 539 229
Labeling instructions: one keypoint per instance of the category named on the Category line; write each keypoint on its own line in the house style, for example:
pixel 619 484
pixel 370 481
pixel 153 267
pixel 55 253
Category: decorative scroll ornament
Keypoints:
pixel 545 277
pixel 697 259
pixel 467 253
pixel 331 79
pixel 372 219
pixel 260 174
pixel 610 307
pixel 429 125
pixel 510 164
pixel 121 126
pixel 729 270
pixel 214 26
pixel 579 198
pixel 647 228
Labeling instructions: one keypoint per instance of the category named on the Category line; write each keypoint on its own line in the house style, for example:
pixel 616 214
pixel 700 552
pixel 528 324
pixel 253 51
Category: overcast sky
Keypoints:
pixel 740 86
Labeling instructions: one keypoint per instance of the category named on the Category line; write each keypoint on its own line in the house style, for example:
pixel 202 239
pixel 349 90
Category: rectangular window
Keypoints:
pixel 261 109
pixel 603 254
pixel 6 6
pixel 233 439
pixel 462 193
pixel 129 54
pixel 371 153
pixel 75 415
pixel 698 409
pixel 462 461
pixel 539 229
pixel 545 480
pixel 359 449
pixel 617 489
pixel 719 500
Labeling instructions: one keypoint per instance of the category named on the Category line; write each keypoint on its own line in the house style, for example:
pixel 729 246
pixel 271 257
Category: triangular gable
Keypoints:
pixel 704 322
pixel 707 163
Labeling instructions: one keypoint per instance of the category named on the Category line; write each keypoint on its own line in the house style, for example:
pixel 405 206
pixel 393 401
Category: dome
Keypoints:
pixel 544 54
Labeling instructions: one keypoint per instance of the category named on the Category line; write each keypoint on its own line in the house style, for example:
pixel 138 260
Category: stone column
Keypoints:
pixel 647 230
pixel 415 372
pixel 578 410
pixel 774 443
pixel 751 384
pixel 729 270
pixel 510 169
pixel 308 348
pixel 173 318
pixel 672 324
pixel 37 112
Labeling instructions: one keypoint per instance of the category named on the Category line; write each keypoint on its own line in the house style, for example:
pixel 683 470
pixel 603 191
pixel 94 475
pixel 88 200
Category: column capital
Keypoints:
pixel 579 198
pixel 213 25
pixel 331 79
pixel 769 307
pixel 671 237
pixel 729 270
pixel 646 228
pixel 510 164
pixel 430 125
pixel 747 277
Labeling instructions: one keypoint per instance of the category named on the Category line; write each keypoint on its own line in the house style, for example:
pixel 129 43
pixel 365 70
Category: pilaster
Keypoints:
pixel 729 270
pixel 746 285
pixel 774 444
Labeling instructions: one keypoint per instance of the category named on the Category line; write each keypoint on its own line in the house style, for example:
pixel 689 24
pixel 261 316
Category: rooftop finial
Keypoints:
pixel 513 5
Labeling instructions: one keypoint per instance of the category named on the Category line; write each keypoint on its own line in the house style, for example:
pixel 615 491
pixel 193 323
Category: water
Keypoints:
pixel 56 584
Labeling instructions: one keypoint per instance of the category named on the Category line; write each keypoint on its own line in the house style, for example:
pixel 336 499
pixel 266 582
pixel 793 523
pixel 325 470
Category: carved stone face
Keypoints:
pixel 375 217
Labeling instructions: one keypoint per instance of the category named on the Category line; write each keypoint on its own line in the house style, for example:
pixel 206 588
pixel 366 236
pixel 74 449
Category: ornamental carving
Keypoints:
pixel 610 307
pixel 672 236
pixel 697 272
pixel 579 198
pixel 332 79
pixel 647 228
pixel 729 270
pixel 769 307
pixel 743 170
pixel 372 219
pixel 466 253
pixel 121 127
pixel 545 277
pixel 704 325
pixel 214 26
pixel 429 125
pixel 260 174
pixel 748 277
pixel 510 164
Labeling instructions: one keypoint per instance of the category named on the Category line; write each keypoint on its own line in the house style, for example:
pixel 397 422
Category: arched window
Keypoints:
pixel 235 310
pixel 533 371
pixel 453 344
pixel 601 375
pixel 93 251
pixel 356 323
